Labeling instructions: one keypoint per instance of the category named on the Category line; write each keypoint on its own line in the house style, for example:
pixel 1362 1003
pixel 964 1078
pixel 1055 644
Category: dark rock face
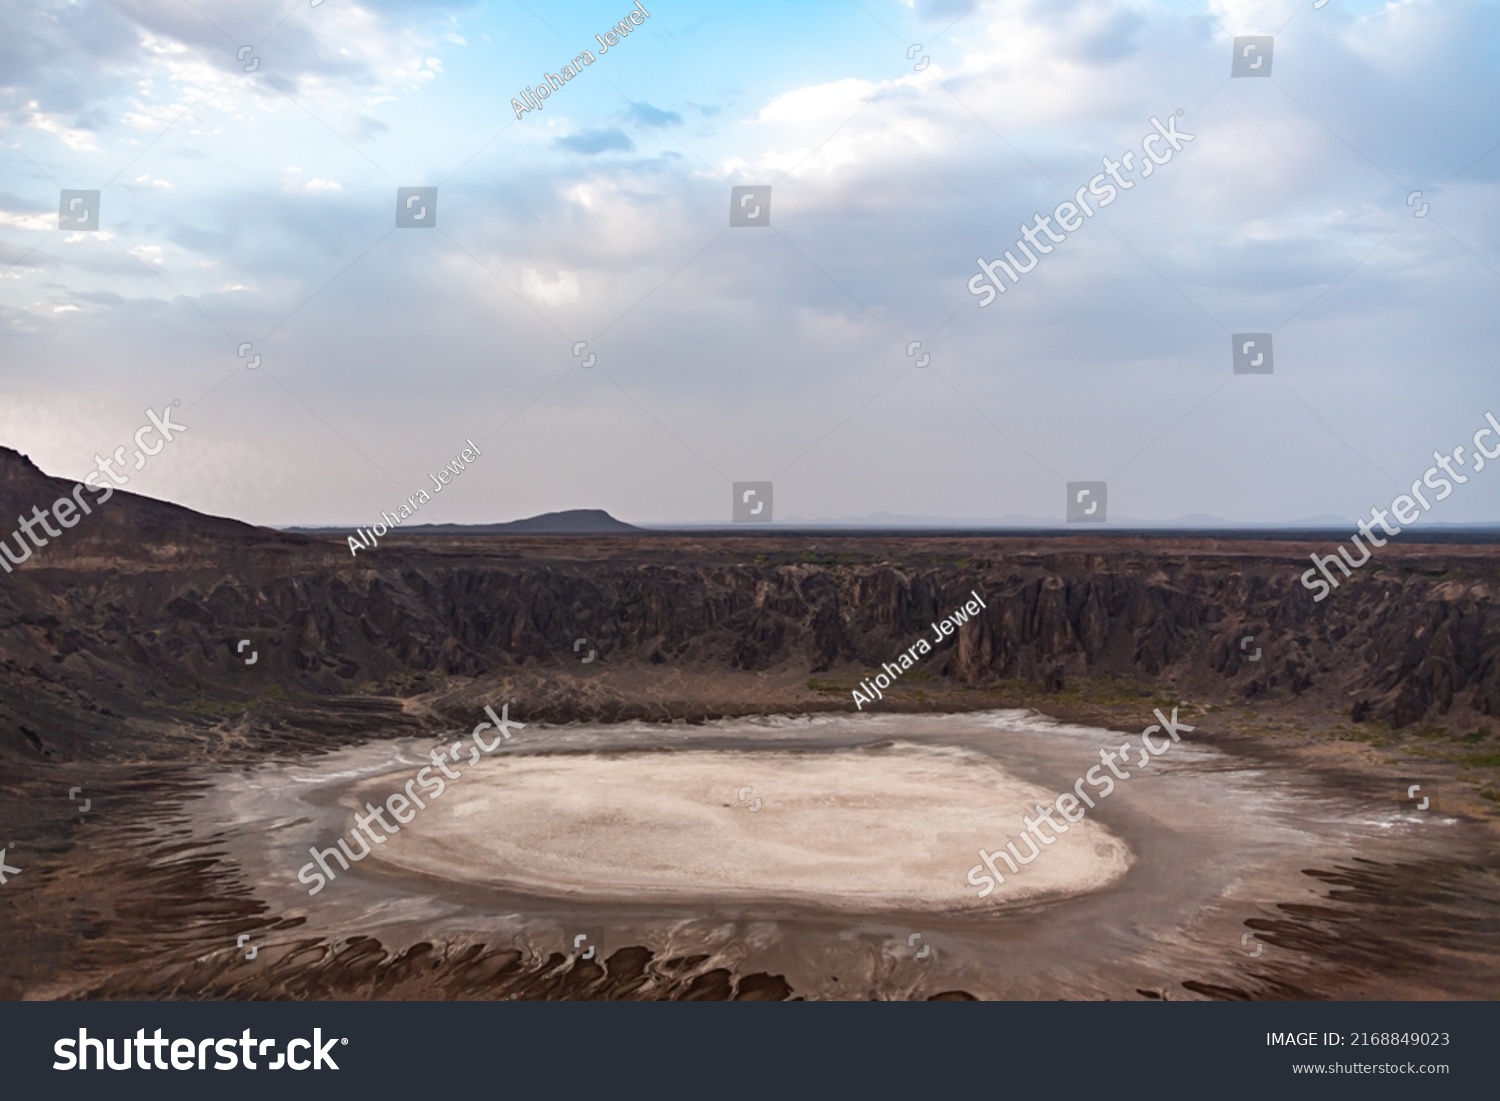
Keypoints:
pixel 1406 646
pixel 140 615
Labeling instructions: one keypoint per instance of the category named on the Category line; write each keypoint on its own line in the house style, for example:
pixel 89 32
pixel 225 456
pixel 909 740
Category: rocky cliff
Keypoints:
pixel 124 636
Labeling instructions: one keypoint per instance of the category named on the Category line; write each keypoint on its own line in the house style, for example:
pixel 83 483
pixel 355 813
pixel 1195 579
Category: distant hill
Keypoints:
pixel 573 521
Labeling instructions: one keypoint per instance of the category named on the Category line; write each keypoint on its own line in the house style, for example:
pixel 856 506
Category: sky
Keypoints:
pixel 836 350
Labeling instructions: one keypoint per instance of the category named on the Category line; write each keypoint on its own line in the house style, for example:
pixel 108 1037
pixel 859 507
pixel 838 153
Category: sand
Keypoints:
pixel 895 828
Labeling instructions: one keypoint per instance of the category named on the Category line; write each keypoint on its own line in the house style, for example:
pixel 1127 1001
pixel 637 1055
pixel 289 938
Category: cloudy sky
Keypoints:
pixel 902 142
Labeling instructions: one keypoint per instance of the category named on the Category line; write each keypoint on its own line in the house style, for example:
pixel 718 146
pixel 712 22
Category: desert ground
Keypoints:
pixel 1277 852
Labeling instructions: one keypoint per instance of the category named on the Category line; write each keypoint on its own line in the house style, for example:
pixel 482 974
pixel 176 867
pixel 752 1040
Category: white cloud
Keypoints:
pixel 80 141
pixel 28 221
pixel 315 186
pixel 749 345
pixel 561 289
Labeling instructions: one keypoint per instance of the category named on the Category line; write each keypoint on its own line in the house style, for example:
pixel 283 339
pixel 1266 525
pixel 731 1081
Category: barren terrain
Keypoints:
pixel 123 675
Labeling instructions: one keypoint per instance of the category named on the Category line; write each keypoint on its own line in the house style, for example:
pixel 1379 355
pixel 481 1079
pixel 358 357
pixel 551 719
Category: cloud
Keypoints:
pixel 291 181
pixel 32 221
pixel 83 69
pixel 657 116
pixel 367 127
pixel 741 352
pixel 596 141
pixel 79 140
pixel 553 292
